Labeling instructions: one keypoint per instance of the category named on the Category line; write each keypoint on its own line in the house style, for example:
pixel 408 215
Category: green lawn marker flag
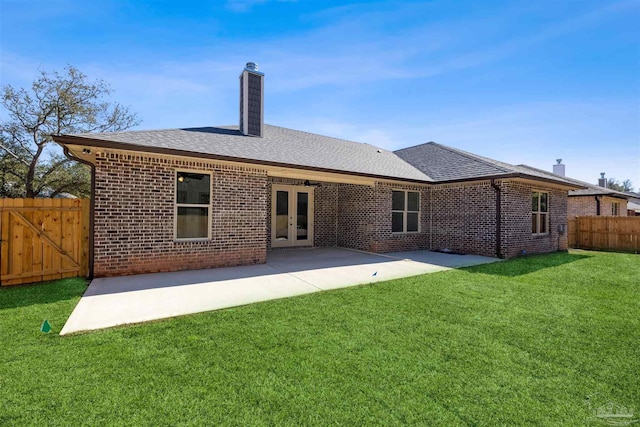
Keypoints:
pixel 46 327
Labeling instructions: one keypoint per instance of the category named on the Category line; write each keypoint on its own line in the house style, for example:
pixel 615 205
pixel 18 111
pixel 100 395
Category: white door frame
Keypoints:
pixel 292 240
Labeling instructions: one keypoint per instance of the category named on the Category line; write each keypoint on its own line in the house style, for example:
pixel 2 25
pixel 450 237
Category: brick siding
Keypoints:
pixel 383 240
pixel 355 216
pixel 463 218
pixel 587 206
pixel 516 220
pixel 134 216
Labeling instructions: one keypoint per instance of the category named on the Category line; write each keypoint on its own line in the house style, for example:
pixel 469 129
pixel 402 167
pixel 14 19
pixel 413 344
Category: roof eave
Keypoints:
pixel 510 175
pixel 614 195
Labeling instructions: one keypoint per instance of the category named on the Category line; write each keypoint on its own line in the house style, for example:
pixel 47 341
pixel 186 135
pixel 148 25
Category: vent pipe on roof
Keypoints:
pixel 602 181
pixel 558 168
pixel 252 100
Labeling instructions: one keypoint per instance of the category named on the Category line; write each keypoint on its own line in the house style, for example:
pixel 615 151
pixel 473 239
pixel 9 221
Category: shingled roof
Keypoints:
pixel 590 190
pixel 278 146
pixel 444 163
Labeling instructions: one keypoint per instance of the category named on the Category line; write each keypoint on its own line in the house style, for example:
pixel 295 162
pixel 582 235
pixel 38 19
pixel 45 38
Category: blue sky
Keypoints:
pixel 518 81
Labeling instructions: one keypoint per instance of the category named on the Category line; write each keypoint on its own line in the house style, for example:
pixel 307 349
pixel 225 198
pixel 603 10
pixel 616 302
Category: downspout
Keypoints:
pixel 431 218
pixel 597 205
pixel 337 210
pixel 498 218
pixel 91 202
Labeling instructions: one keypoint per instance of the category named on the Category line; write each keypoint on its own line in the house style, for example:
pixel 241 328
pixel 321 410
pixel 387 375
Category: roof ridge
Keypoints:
pixel 416 146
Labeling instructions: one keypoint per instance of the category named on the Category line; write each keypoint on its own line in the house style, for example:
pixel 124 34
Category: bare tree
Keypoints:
pixel 58 103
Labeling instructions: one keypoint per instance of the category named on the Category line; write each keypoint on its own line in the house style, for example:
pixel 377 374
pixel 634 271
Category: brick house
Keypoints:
pixel 595 201
pixel 633 206
pixel 592 200
pixel 177 199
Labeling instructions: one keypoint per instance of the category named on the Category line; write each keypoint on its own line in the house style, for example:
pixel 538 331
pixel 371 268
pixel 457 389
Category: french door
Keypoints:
pixel 291 216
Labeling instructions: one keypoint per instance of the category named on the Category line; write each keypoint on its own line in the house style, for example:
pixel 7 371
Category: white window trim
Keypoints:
pixel 405 211
pixel 539 212
pixel 615 208
pixel 176 205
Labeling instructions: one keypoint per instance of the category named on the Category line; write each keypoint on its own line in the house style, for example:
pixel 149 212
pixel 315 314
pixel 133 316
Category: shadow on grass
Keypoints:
pixel 41 293
pixel 526 264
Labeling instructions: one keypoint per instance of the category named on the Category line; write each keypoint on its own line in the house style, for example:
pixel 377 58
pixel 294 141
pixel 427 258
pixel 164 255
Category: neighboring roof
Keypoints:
pixel 633 206
pixel 590 190
pixel 444 163
pixel 598 191
pixel 278 146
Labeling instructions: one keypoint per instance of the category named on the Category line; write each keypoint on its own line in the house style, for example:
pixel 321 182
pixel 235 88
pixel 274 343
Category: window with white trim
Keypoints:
pixel 615 209
pixel 405 211
pixel 192 206
pixel 539 212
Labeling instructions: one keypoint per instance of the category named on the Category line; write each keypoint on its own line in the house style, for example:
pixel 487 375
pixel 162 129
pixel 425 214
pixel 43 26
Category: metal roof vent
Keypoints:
pixel 251 66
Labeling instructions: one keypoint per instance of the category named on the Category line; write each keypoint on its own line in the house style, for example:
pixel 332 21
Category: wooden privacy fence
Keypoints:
pixel 43 239
pixel 612 233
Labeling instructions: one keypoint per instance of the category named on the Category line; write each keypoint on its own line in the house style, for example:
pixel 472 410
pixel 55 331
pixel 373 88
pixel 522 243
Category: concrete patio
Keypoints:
pixel 124 300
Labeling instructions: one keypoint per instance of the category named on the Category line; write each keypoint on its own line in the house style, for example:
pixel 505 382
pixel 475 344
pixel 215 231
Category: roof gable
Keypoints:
pixel 444 163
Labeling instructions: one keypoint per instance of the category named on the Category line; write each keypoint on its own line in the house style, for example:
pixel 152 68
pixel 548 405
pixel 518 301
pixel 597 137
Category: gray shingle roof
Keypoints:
pixel 444 163
pixel 591 190
pixel 278 145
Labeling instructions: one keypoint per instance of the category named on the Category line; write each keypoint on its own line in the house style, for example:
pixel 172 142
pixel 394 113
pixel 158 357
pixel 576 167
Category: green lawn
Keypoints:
pixel 522 342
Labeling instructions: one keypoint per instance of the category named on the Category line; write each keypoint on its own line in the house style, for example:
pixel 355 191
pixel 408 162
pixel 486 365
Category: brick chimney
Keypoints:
pixel 252 100
pixel 558 168
pixel 602 181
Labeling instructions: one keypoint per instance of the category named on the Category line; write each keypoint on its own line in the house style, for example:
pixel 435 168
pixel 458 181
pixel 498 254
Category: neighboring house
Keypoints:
pixel 633 204
pixel 591 200
pixel 178 199
pixel 597 201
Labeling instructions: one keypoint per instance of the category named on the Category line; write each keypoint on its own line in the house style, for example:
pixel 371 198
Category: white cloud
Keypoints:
pixel 241 6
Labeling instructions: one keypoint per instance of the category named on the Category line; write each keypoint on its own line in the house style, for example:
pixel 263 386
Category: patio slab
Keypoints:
pixel 123 300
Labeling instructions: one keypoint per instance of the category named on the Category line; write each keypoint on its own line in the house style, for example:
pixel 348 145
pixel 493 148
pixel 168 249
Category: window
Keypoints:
pixel 539 212
pixel 193 205
pixel 615 209
pixel 405 212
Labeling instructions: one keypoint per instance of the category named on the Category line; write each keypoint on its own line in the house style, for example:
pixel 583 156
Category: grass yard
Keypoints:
pixel 522 342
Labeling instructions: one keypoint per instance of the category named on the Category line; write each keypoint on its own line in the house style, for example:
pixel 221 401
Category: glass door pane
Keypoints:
pixel 302 215
pixel 282 215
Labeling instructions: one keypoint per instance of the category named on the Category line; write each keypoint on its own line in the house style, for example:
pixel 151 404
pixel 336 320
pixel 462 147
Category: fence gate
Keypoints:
pixel 43 239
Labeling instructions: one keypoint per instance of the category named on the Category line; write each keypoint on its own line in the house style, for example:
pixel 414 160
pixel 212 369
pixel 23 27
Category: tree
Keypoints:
pixel 614 184
pixel 58 103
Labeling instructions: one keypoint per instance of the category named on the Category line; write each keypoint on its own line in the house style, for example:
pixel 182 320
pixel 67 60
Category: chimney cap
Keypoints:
pixel 559 161
pixel 601 174
pixel 251 66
